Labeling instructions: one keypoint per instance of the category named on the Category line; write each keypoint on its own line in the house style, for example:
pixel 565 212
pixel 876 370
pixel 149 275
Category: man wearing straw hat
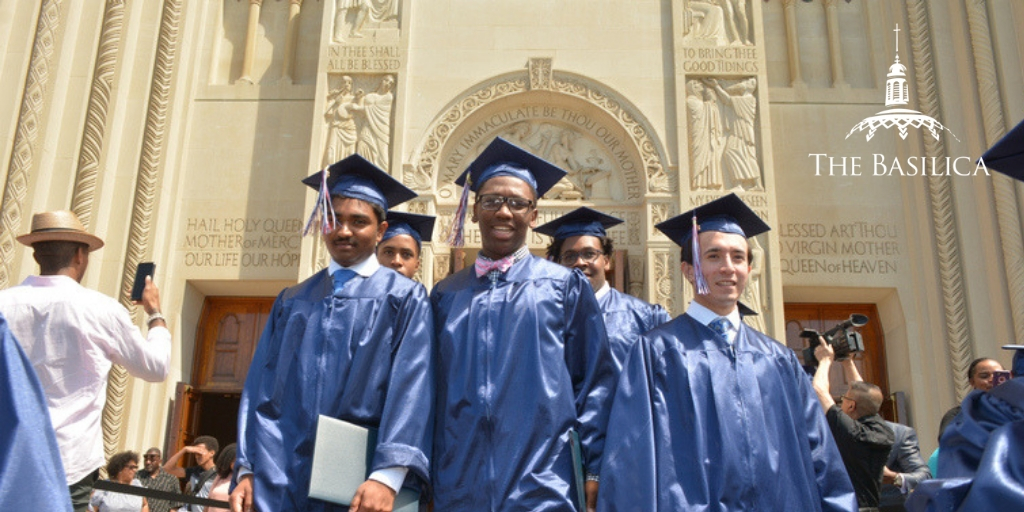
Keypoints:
pixel 73 335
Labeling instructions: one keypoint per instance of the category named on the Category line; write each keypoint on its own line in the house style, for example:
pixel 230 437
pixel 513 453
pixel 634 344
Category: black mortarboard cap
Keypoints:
pixel 728 214
pixel 357 177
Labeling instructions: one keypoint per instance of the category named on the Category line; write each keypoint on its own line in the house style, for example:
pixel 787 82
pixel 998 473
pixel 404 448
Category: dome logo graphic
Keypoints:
pixel 897 96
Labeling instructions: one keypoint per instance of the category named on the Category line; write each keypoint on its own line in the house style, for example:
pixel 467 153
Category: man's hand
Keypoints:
pixel 888 475
pixel 823 350
pixel 591 491
pixel 373 496
pixel 241 497
pixel 150 297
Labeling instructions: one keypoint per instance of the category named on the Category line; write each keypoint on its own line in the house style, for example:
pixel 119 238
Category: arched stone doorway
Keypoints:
pixel 615 165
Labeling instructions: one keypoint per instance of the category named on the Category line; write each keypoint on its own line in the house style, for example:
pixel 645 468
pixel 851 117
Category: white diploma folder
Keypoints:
pixel 342 456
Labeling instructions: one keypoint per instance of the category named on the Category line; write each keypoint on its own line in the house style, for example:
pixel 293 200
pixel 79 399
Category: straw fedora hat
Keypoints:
pixel 59 226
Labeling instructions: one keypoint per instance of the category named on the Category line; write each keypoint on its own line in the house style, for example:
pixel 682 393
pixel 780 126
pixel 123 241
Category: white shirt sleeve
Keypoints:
pixel 391 477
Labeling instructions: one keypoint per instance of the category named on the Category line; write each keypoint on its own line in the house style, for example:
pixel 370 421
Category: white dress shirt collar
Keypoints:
pixel 706 316
pixel 365 268
pixel 603 291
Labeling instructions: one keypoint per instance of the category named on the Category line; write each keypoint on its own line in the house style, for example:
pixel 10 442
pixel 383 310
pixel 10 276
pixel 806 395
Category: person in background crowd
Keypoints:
pixel 121 469
pixel 581 241
pixel 220 490
pixel 402 243
pixel 863 438
pixel 152 476
pixel 710 414
pixel 73 335
pixel 200 477
pixel 904 469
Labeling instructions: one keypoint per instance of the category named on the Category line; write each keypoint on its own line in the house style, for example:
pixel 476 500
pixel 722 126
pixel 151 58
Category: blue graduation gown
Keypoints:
pixel 364 356
pixel 981 453
pixel 699 425
pixel 31 473
pixel 520 363
pixel 626 318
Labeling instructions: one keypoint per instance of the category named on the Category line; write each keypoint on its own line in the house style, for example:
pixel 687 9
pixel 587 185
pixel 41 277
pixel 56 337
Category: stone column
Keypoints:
pixel 291 41
pixel 250 41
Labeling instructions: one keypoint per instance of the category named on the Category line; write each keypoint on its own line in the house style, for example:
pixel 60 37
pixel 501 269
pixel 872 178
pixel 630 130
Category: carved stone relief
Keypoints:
pixel 357 121
pixel 663 280
pixel 540 73
pixel 718 23
pixel 442 262
pixel 432 167
pixel 418 207
pixel 351 17
pixel 723 135
pixel 636 276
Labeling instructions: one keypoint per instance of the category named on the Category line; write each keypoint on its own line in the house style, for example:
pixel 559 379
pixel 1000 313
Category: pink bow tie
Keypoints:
pixel 484 266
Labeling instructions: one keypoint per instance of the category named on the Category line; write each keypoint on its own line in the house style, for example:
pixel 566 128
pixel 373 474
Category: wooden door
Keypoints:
pixel 870 363
pixel 229 329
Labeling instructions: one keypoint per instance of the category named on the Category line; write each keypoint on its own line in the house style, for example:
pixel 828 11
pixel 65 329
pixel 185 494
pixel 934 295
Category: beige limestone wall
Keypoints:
pixel 181 129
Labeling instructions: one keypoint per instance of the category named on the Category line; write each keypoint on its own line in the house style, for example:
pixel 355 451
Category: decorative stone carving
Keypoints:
pixel 718 23
pixel 428 166
pixel 34 102
pixel 372 114
pixel 350 16
pixel 418 207
pixel 442 262
pixel 663 280
pixel 633 221
pixel 958 326
pixel 540 73
pixel 636 276
pixel 95 129
pixel 144 206
pixel 423 175
pixel 660 212
pixel 341 124
pixel 723 137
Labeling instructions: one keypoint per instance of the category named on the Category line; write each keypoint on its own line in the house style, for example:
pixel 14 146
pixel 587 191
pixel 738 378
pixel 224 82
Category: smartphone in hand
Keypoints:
pixel 144 269
pixel 1000 376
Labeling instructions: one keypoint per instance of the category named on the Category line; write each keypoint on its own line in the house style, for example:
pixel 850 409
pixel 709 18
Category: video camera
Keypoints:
pixel 844 341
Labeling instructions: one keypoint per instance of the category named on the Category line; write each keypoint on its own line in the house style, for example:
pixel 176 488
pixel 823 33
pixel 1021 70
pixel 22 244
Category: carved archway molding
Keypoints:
pixel 425 171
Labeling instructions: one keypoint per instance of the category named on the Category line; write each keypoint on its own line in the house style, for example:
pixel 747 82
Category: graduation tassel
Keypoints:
pixel 699 281
pixel 457 230
pixel 322 213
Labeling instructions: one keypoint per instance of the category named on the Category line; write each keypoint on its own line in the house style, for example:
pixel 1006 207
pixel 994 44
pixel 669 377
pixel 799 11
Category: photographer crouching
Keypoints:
pixel 863 438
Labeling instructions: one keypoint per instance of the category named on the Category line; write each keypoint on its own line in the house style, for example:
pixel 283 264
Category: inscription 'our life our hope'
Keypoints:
pixel 242 242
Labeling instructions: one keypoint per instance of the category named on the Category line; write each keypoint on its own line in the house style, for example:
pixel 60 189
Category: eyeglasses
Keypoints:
pixel 844 397
pixel 570 257
pixel 492 203
pixel 154 456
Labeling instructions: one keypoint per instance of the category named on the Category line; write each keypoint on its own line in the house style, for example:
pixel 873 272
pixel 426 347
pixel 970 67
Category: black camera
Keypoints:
pixel 844 341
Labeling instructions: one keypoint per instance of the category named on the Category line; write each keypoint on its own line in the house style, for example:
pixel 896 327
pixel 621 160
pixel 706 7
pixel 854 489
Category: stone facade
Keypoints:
pixel 178 131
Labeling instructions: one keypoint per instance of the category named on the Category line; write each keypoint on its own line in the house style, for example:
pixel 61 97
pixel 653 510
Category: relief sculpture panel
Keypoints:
pixel 722 116
pixel 359 122
pixel 351 17
pixel 718 22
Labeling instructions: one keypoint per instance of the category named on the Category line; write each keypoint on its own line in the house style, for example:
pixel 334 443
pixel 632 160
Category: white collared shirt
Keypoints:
pixel 706 316
pixel 73 335
pixel 365 268
pixel 605 289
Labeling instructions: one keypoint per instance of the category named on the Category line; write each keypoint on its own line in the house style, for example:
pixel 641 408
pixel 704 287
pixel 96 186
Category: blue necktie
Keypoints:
pixel 342 276
pixel 721 326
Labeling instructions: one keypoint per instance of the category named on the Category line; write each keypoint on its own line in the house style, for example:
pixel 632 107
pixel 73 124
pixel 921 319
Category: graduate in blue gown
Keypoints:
pixel 581 241
pixel 31 473
pixel 402 244
pixel 354 342
pixel 710 414
pixel 523 358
